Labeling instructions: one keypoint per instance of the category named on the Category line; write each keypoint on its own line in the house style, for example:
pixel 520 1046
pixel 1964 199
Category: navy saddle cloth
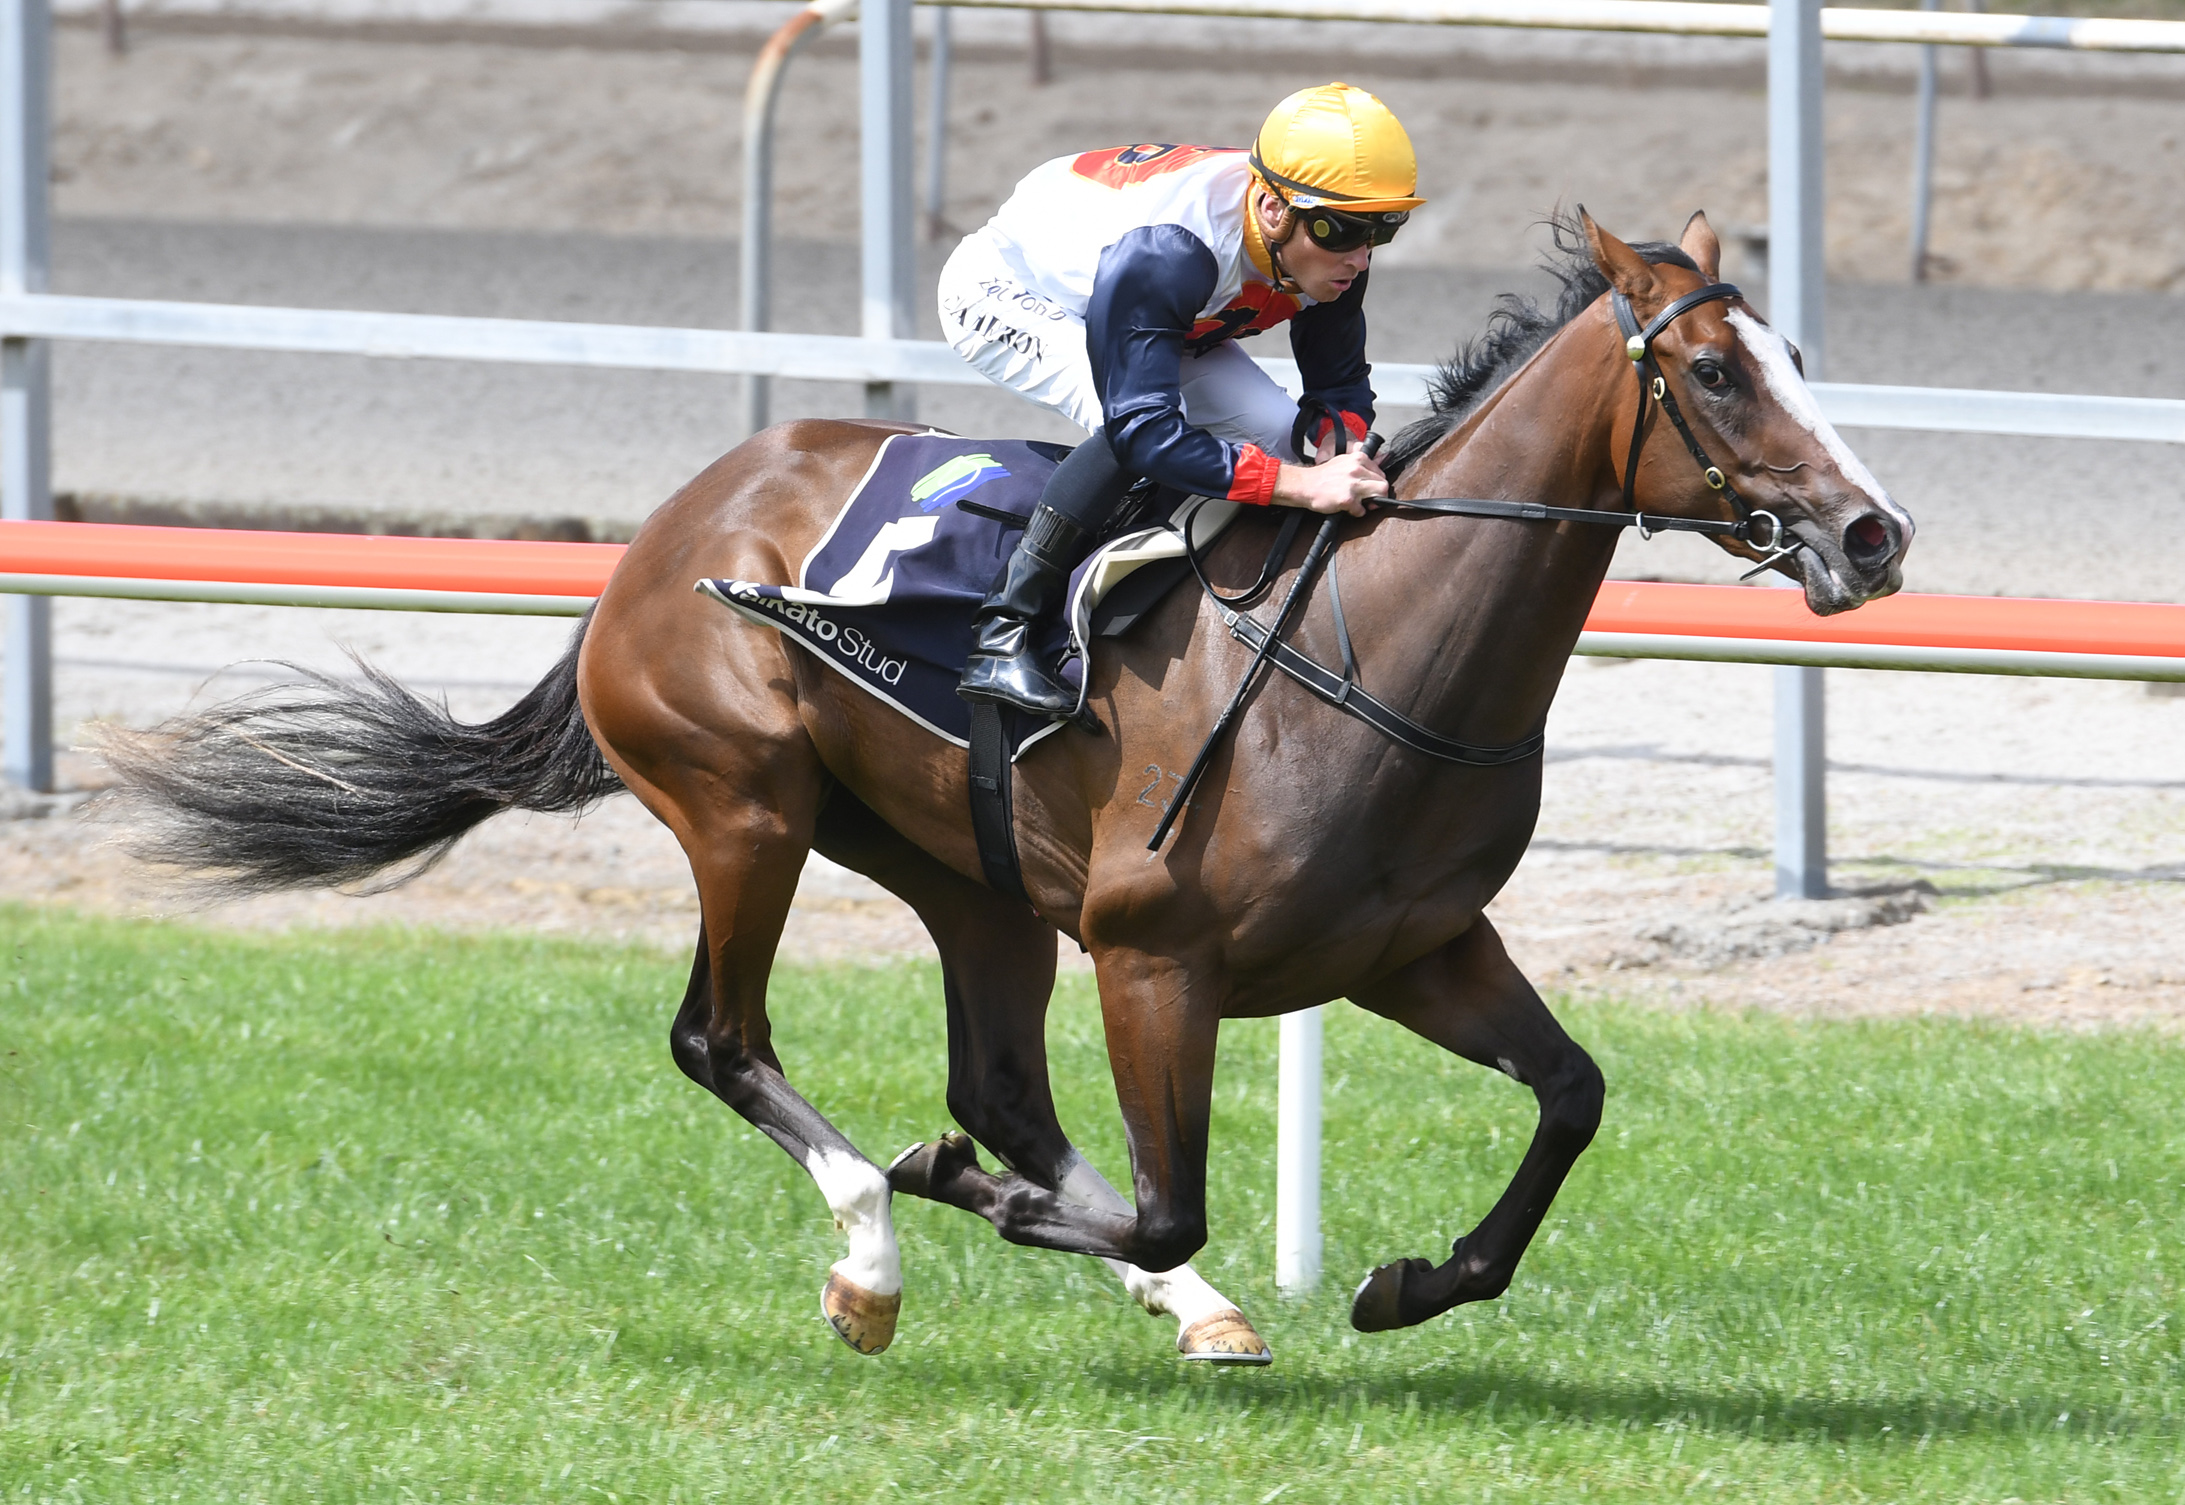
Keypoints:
pixel 887 595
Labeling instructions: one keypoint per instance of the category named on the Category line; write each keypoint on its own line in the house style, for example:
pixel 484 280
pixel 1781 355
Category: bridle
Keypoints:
pixel 1756 526
pixel 1344 692
pixel 1639 346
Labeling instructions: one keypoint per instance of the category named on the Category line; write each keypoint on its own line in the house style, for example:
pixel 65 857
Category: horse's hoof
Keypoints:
pixel 1378 1307
pixel 1224 1338
pixel 931 1163
pixel 863 1319
pixel 905 1170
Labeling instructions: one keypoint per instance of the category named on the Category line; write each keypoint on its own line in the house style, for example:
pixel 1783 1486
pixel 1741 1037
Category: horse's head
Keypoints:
pixel 1743 395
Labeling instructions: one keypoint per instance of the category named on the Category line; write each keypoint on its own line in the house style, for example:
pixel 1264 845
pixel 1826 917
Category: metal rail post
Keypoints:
pixel 1794 304
pixel 1923 154
pixel 755 257
pixel 889 270
pixel 937 123
pixel 26 677
pixel 1297 1153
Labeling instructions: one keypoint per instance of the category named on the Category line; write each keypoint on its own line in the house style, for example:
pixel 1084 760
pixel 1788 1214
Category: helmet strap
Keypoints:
pixel 1284 230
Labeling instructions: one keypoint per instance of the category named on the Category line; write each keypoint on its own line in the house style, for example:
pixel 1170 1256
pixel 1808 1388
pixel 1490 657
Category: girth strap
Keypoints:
pixel 993 811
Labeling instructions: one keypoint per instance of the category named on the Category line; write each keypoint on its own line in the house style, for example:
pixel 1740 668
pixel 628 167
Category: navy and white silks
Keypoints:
pixel 1112 287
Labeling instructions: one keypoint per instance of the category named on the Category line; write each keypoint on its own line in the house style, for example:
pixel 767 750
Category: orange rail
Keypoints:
pixel 486 566
pixel 2001 623
pixel 474 569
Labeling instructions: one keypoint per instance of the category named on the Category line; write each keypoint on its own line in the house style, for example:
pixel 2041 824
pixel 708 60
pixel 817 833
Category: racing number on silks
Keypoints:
pixel 1121 166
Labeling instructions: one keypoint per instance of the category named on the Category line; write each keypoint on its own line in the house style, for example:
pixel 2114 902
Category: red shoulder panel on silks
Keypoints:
pixel 1121 166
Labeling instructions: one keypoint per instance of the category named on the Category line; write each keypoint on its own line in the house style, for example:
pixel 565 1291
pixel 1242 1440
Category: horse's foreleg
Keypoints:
pixel 1162 1052
pixel 1208 1324
pixel 998 970
pixel 998 1090
pixel 1469 999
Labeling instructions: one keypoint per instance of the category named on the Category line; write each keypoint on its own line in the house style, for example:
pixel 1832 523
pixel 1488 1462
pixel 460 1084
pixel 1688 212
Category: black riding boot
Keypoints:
pixel 1005 663
pixel 1005 666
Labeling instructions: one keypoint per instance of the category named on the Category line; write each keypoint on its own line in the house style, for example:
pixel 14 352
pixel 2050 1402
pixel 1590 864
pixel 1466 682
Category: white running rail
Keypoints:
pixel 849 358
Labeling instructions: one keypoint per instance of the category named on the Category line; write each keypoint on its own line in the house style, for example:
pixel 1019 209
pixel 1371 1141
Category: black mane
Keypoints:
pixel 1516 329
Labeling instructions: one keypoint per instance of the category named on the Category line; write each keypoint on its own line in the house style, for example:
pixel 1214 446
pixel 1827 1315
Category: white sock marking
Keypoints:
pixel 1179 1293
pixel 858 1195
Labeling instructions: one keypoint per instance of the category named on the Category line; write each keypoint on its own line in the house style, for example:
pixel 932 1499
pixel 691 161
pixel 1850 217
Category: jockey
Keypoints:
pixel 1112 287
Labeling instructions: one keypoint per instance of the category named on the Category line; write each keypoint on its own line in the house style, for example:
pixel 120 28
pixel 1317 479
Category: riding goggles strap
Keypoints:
pixel 1326 226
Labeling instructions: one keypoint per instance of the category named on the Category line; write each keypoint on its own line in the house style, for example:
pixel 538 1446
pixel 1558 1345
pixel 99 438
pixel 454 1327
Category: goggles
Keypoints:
pixel 1333 230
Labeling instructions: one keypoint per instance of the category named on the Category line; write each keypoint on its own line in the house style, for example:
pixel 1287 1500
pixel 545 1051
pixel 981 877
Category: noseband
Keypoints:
pixel 1755 526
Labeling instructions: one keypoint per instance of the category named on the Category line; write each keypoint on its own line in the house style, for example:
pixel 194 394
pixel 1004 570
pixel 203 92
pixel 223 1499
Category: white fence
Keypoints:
pixel 850 358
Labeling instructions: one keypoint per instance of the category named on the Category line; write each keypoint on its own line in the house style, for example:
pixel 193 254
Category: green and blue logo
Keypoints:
pixel 953 480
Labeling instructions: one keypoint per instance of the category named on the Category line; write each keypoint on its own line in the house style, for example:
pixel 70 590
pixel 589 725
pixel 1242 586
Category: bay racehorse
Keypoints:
pixel 1318 859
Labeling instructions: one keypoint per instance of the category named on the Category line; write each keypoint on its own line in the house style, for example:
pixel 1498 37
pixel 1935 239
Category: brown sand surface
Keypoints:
pixel 2006 848
pixel 2032 189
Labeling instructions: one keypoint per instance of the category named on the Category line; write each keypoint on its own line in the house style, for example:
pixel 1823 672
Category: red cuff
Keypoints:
pixel 1253 481
pixel 1351 421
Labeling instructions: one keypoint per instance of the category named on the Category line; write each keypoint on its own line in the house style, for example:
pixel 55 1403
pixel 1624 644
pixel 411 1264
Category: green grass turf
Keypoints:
pixel 387 1216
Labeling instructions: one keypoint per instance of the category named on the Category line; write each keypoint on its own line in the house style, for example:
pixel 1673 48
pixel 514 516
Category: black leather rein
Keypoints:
pixel 1761 529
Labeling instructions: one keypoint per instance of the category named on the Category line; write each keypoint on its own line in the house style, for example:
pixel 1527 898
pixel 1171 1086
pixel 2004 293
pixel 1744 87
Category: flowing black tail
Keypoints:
pixel 335 781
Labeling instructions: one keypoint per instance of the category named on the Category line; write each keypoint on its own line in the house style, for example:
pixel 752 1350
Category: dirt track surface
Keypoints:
pixel 2045 816
pixel 2005 847
pixel 2031 189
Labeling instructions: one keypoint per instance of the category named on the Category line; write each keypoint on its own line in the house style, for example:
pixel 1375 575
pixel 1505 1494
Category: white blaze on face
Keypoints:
pixel 857 1194
pixel 1178 1292
pixel 1771 355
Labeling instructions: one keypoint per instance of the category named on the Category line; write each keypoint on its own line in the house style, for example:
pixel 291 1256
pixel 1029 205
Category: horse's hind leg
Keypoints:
pixel 998 971
pixel 1470 999
pixel 746 836
pixel 723 1040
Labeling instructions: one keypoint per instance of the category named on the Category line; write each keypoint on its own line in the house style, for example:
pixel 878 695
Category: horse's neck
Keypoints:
pixel 1484 614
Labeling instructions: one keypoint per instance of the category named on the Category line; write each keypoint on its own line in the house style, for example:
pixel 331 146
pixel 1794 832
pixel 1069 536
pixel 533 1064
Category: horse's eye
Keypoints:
pixel 1710 374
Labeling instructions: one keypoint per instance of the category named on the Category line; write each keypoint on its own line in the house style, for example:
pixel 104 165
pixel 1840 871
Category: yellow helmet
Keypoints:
pixel 1337 147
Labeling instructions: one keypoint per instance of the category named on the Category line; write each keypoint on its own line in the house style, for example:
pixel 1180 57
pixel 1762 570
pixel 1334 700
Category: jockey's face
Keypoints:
pixel 1322 275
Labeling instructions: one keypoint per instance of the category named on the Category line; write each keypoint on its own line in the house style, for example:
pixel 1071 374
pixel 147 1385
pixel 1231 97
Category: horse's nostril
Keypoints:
pixel 1867 537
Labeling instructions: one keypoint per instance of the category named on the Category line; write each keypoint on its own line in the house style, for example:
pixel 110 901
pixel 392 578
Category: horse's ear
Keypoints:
pixel 1700 242
pixel 1626 271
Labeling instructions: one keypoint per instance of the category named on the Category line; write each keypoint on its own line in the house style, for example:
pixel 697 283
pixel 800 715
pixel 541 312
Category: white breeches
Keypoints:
pixel 1023 340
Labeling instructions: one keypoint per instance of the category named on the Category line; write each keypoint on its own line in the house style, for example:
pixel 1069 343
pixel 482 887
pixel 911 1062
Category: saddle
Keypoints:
pixel 886 597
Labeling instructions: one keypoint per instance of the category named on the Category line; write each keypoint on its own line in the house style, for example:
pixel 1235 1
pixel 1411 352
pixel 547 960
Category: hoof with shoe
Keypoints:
pixel 925 1167
pixel 1379 1305
pixel 1224 1338
pixel 863 1319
